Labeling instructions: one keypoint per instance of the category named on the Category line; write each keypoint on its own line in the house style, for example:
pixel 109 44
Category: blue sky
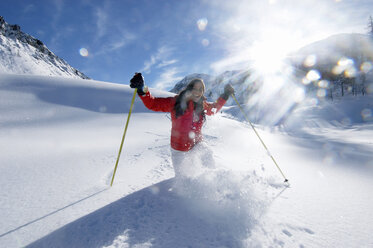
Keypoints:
pixel 169 39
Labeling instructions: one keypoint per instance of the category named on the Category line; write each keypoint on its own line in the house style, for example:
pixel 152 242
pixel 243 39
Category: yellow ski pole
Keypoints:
pixel 278 167
pixel 124 135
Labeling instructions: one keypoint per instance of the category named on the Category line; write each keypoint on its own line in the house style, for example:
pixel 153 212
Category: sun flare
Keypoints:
pixel 266 58
pixel 268 53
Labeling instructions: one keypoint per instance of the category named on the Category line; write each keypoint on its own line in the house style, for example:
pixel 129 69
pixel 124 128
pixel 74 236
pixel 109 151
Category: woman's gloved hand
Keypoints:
pixel 137 81
pixel 228 90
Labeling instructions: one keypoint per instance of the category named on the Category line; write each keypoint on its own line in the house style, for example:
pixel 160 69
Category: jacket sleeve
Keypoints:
pixel 160 104
pixel 212 108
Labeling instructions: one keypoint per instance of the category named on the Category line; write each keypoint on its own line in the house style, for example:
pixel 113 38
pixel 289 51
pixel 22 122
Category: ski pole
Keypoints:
pixel 124 135
pixel 278 167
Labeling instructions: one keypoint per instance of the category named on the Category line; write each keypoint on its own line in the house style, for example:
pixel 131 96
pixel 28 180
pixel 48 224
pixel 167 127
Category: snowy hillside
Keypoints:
pixel 60 139
pixel 330 50
pixel 21 53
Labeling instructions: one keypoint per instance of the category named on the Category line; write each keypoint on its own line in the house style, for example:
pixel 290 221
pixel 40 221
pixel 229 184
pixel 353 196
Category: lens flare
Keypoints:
pixel 192 135
pixel 370 88
pixel 366 114
pixel 313 75
pixel 323 84
pixel 310 61
pixel 321 93
pixel 350 72
pixel 345 62
pixel 314 102
pixel 337 70
pixel 366 67
pixel 83 52
pixel 345 65
pixel 202 24
pixel 154 190
pixel 306 81
pixel 205 42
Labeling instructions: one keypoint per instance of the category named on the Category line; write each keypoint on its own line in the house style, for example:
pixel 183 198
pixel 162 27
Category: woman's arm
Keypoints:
pixel 161 104
pixel 212 108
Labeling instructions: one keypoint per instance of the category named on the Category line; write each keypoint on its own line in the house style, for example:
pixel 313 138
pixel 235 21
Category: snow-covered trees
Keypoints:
pixel 370 26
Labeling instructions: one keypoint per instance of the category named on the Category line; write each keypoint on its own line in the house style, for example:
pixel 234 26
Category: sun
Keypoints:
pixel 270 52
pixel 266 58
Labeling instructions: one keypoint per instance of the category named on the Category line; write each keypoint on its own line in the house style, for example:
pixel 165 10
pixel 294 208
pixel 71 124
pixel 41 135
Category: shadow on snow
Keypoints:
pixel 335 152
pixel 88 97
pixel 154 216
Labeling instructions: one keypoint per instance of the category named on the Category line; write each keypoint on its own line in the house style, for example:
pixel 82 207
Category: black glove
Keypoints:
pixel 137 81
pixel 228 90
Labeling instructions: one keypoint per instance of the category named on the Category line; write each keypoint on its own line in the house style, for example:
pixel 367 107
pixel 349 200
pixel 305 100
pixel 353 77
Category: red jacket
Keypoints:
pixel 185 132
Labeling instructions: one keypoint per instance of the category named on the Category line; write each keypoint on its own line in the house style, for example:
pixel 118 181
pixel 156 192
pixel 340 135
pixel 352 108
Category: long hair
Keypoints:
pixel 181 103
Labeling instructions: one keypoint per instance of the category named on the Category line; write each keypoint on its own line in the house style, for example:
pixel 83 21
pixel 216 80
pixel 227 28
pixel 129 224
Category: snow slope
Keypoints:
pixel 59 142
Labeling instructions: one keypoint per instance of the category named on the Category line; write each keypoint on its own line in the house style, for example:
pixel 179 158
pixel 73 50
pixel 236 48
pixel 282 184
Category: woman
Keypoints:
pixel 188 112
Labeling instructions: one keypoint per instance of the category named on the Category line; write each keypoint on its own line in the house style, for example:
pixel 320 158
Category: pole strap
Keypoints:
pixel 124 135
pixel 252 126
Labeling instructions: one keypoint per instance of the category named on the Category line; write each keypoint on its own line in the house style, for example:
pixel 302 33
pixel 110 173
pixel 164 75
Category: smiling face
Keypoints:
pixel 197 91
pixel 194 91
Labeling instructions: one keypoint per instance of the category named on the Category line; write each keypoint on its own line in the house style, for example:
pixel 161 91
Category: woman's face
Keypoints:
pixel 197 92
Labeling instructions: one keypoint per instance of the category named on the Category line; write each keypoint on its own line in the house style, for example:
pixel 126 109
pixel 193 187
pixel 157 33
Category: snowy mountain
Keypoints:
pixel 329 51
pixel 59 143
pixel 21 53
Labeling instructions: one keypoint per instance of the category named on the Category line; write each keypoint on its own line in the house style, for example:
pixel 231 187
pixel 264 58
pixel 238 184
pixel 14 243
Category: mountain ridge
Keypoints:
pixel 21 53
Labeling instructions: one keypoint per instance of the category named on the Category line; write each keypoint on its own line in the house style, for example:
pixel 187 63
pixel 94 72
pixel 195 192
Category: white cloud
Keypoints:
pixel 28 8
pixel 230 63
pixel 104 19
pixel 148 64
pixel 168 79
pixel 59 5
pixel 101 21
pixel 57 12
pixel 160 59
pixel 167 63
pixel 110 35
pixel 116 43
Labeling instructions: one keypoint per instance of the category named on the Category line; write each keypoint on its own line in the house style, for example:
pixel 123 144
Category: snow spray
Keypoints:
pixel 231 200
